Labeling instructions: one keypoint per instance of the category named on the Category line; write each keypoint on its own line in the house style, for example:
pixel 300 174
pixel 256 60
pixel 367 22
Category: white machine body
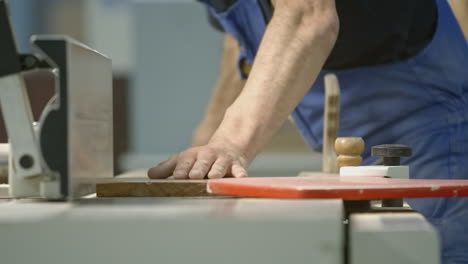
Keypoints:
pixel 399 172
pixel 389 238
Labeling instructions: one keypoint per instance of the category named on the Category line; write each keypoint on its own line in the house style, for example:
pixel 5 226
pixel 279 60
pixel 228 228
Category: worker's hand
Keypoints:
pixel 213 160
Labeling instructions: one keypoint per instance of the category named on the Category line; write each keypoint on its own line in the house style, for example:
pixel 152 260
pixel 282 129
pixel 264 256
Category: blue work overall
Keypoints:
pixel 421 102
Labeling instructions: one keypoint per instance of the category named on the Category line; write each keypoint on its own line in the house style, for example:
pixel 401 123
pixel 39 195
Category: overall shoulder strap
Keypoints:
pixel 267 9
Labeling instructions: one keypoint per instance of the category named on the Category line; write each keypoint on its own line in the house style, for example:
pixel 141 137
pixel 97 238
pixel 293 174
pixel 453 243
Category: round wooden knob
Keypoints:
pixel 349 150
pixel 344 161
pixel 349 146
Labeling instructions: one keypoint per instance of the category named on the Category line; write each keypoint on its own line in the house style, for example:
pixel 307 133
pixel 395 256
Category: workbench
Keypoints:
pixel 206 230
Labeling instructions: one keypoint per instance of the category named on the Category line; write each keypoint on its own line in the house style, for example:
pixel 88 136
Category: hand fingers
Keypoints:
pixel 198 163
pixel 184 165
pixel 202 165
pixel 163 169
pixel 238 171
pixel 219 168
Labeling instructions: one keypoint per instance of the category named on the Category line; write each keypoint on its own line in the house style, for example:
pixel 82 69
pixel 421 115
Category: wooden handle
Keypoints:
pixel 331 117
pixel 349 150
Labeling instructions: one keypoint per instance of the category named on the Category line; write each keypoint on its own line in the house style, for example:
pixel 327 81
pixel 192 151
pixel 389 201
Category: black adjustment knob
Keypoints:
pixel 391 153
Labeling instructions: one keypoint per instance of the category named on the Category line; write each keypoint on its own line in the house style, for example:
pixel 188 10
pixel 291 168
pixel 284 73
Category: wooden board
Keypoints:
pixel 144 187
pixel 346 188
pixel 331 116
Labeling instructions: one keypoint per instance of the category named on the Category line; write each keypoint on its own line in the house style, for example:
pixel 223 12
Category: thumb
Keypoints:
pixel 164 169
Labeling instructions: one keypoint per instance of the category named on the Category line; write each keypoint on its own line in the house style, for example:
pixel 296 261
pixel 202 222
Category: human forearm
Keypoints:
pixel 295 46
pixel 226 90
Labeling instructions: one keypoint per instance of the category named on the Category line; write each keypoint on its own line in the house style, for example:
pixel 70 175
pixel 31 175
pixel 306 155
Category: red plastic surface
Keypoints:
pixel 346 188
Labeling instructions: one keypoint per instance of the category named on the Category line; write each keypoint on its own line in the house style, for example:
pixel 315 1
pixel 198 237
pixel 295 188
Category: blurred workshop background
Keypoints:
pixel 165 61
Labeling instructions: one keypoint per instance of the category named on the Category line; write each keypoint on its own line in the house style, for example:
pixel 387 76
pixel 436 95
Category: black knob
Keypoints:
pixel 391 153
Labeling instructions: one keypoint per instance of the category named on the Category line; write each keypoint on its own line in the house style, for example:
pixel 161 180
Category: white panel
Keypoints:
pixel 90 114
pixel 389 238
pixel 170 231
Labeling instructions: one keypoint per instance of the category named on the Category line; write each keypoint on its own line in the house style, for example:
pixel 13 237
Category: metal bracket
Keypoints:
pixel 72 148
pixel 18 122
pixel 15 104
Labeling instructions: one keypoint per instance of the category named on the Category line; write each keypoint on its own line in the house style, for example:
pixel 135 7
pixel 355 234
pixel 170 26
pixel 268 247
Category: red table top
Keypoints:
pixel 346 188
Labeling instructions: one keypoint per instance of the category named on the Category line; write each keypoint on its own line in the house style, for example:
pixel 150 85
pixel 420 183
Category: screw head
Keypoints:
pixel 391 150
pixel 26 161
